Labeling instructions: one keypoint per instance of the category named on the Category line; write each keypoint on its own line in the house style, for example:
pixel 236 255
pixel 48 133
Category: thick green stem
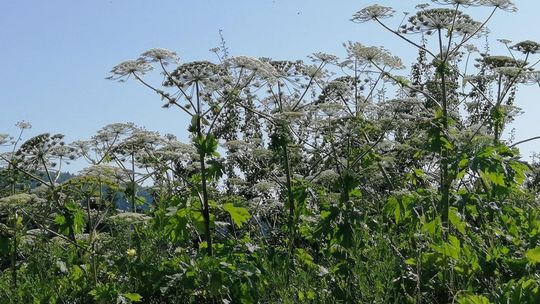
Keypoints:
pixel 92 232
pixel 204 186
pixel 133 185
pixel 14 253
pixel 290 200
pixel 206 208
pixel 445 182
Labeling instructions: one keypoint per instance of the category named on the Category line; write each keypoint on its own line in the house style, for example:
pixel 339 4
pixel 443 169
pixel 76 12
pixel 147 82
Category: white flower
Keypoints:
pixel 373 54
pixel 23 125
pixel 527 47
pixel 327 177
pixel 4 138
pixel 505 5
pixel 324 57
pixel 204 72
pixel 532 77
pixel 19 200
pixel 106 172
pixel 509 71
pixel 429 21
pixel 129 218
pixel 264 186
pixel 504 41
pixel 263 69
pixel 372 12
pixel 130 67
pixel 160 55
pixel 464 3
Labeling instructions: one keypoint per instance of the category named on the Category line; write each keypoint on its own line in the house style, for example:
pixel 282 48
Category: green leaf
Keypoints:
pixel 304 258
pixel 239 215
pixel 133 297
pixel 392 208
pixel 455 220
pixel 206 145
pixel 473 299
pixel 533 255
pixel 433 228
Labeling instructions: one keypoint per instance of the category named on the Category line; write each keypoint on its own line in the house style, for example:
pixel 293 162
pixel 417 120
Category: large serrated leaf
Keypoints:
pixel 239 215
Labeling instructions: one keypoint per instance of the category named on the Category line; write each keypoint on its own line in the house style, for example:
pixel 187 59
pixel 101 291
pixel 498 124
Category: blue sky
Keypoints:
pixel 57 53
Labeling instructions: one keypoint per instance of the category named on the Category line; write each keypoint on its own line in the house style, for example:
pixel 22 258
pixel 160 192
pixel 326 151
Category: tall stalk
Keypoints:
pixel 445 182
pixel 133 185
pixel 204 186
pixel 14 251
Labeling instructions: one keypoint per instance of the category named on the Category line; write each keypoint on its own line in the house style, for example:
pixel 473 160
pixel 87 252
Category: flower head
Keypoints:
pixel 287 68
pixel 39 148
pixel 261 68
pixel 129 67
pixel 372 12
pixel 131 252
pixel 204 72
pixel 505 5
pixel 430 20
pixel 464 3
pixel 129 218
pixel 159 55
pixel 324 57
pixel 23 125
pixel 532 77
pixel 19 200
pixel 106 173
pixel 527 47
pixel 373 54
pixel 4 138
pixel 504 41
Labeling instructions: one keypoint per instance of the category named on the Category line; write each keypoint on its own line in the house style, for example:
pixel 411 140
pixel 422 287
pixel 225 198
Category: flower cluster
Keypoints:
pixel 505 5
pixel 128 68
pixel 23 125
pixel 110 133
pixel 323 57
pixel 261 68
pixel 203 72
pixel 373 12
pixel 463 3
pixel 527 47
pixel 430 20
pixel 494 62
pixel 372 54
pixel 129 218
pixel 339 89
pixel 4 138
pixel 138 141
pixel 287 68
pixel 19 200
pixel 38 148
pixel 159 55
pixel 106 173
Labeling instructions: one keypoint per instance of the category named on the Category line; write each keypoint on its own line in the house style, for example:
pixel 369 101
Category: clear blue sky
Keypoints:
pixel 56 53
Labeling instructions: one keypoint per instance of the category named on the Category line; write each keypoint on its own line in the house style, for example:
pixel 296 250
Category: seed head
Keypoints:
pixel 527 47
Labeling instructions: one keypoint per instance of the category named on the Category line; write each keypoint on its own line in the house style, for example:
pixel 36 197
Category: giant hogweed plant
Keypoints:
pixel 342 181
pixel 464 133
pixel 204 91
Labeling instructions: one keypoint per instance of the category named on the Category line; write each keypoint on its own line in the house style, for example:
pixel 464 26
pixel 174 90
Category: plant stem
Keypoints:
pixel 204 186
pixel 14 252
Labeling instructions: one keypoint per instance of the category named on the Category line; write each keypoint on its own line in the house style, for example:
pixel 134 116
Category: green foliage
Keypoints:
pixel 239 215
